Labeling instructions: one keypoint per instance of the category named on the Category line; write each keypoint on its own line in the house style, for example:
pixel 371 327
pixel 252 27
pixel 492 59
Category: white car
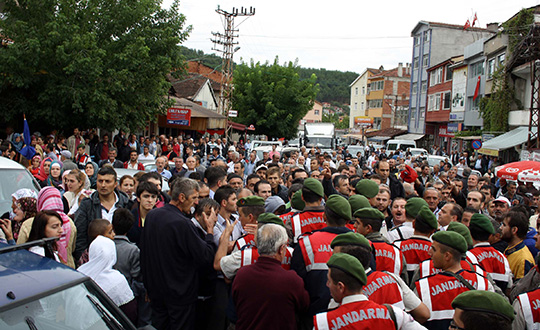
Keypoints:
pixel 13 176
pixel 415 152
pixel 436 160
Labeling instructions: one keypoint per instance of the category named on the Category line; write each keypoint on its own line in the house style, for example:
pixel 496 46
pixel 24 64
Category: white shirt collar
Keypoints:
pixel 353 298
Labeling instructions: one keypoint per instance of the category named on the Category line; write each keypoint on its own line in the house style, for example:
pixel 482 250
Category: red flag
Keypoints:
pixel 474 20
pixel 477 89
pixel 467 25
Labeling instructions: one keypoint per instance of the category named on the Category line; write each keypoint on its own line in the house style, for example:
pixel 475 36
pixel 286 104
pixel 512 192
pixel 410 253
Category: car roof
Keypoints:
pixel 26 274
pixel 7 163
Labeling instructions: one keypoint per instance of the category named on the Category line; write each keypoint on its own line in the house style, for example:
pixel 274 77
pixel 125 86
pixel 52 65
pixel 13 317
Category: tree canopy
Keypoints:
pixel 272 97
pixel 90 63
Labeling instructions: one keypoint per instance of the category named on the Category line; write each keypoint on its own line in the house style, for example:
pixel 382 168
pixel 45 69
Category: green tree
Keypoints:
pixel 272 97
pixel 90 63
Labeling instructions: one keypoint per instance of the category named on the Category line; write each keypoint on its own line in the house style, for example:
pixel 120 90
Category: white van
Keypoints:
pixel 393 145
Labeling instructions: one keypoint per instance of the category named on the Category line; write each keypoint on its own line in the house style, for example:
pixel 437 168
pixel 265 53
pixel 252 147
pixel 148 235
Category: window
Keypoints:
pixel 416 40
pixel 431 102
pixel 362 106
pixel 317 111
pixel 500 59
pixel 363 90
pixel 415 63
pixel 426 36
pixel 435 77
pixel 449 73
pixel 356 91
pixel 355 105
pixel 475 103
pixel 490 68
pixel 476 69
pixel 377 85
pixel 424 86
pixel 414 88
pixel 425 60
pixel 375 103
pixel 447 100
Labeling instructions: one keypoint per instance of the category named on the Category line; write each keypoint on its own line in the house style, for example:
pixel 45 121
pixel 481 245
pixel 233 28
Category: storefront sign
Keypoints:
pixel 179 116
pixel 363 121
pixel 443 132
pixel 457 116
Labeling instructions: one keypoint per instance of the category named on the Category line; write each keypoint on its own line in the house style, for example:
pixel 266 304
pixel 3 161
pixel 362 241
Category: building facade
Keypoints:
pixel 434 43
pixel 358 95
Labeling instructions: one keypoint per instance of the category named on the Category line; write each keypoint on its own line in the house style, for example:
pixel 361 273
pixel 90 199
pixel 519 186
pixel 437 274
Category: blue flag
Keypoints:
pixel 27 151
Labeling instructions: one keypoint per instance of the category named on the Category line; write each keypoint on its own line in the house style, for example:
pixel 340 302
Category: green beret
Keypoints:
pixel 357 202
pixel 367 187
pixel 482 222
pixel 369 213
pixel 348 264
pixel 266 218
pixel 461 229
pixel 350 238
pixel 340 206
pixel 426 216
pixel 315 186
pixel 451 239
pixel 414 205
pixel 250 201
pixel 297 202
pixel 484 302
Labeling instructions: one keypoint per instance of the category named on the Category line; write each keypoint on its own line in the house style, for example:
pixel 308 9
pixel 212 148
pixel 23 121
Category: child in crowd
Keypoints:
pixel 127 263
pixel 101 259
pixel 46 224
pixel 96 227
pixel 147 197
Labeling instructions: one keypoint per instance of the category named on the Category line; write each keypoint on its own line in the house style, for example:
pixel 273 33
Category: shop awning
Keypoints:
pixel 237 126
pixel 505 141
pixel 409 136
pixel 379 138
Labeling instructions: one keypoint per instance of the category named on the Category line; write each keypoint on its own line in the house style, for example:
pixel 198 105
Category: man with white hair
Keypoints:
pixel 263 290
pixel 161 162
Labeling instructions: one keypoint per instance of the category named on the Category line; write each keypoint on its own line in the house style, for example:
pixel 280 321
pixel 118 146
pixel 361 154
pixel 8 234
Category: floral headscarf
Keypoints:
pixel 29 206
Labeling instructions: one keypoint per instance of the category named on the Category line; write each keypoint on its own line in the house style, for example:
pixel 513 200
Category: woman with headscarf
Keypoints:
pixel 55 176
pixel 44 169
pixel 17 141
pixel 49 198
pixel 102 258
pixel 23 206
pixel 34 165
pixel 91 171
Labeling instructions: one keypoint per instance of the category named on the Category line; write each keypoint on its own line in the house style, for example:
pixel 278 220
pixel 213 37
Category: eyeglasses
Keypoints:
pixel 453 326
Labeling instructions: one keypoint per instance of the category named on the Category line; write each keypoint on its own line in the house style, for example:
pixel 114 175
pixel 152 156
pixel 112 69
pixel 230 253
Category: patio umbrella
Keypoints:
pixel 526 171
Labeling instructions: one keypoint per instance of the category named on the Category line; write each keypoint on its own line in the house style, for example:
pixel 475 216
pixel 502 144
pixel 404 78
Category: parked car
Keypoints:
pixel 393 145
pixel 415 152
pixel 40 293
pixel 13 176
pixel 433 159
pixel 355 149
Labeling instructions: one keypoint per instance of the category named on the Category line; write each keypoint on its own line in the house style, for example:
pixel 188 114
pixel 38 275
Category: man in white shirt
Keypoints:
pixel 146 155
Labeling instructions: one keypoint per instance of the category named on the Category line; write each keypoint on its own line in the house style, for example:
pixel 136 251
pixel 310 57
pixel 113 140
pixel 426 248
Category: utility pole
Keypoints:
pixel 226 40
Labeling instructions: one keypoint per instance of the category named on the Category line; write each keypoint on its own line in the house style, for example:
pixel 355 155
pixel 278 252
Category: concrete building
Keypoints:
pixel 388 97
pixel 314 115
pixel 358 95
pixel 434 43
pixel 476 82
pixel 439 103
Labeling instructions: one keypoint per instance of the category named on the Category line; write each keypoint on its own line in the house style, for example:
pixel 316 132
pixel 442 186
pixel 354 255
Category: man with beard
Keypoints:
pixel 501 208
pixel 514 230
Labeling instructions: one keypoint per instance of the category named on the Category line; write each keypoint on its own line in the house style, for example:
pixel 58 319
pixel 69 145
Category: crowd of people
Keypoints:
pixel 296 240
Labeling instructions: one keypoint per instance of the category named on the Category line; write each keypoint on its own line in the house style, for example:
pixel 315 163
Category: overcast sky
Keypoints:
pixel 335 35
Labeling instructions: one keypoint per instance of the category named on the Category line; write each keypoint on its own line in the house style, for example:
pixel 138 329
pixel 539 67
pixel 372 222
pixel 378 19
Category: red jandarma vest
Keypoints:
pixel 316 250
pixel 492 262
pixel 530 305
pixel 388 257
pixel 437 291
pixel 415 250
pixel 250 255
pixel 306 222
pixel 382 288
pixel 366 315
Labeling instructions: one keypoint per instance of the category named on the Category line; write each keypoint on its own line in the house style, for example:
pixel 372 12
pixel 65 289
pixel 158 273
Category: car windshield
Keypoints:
pixel 321 142
pixel 12 180
pixel 77 307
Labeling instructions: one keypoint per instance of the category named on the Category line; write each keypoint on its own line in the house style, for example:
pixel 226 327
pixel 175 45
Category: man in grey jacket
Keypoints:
pixel 100 205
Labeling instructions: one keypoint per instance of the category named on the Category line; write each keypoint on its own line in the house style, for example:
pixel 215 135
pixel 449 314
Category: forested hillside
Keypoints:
pixel 334 85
